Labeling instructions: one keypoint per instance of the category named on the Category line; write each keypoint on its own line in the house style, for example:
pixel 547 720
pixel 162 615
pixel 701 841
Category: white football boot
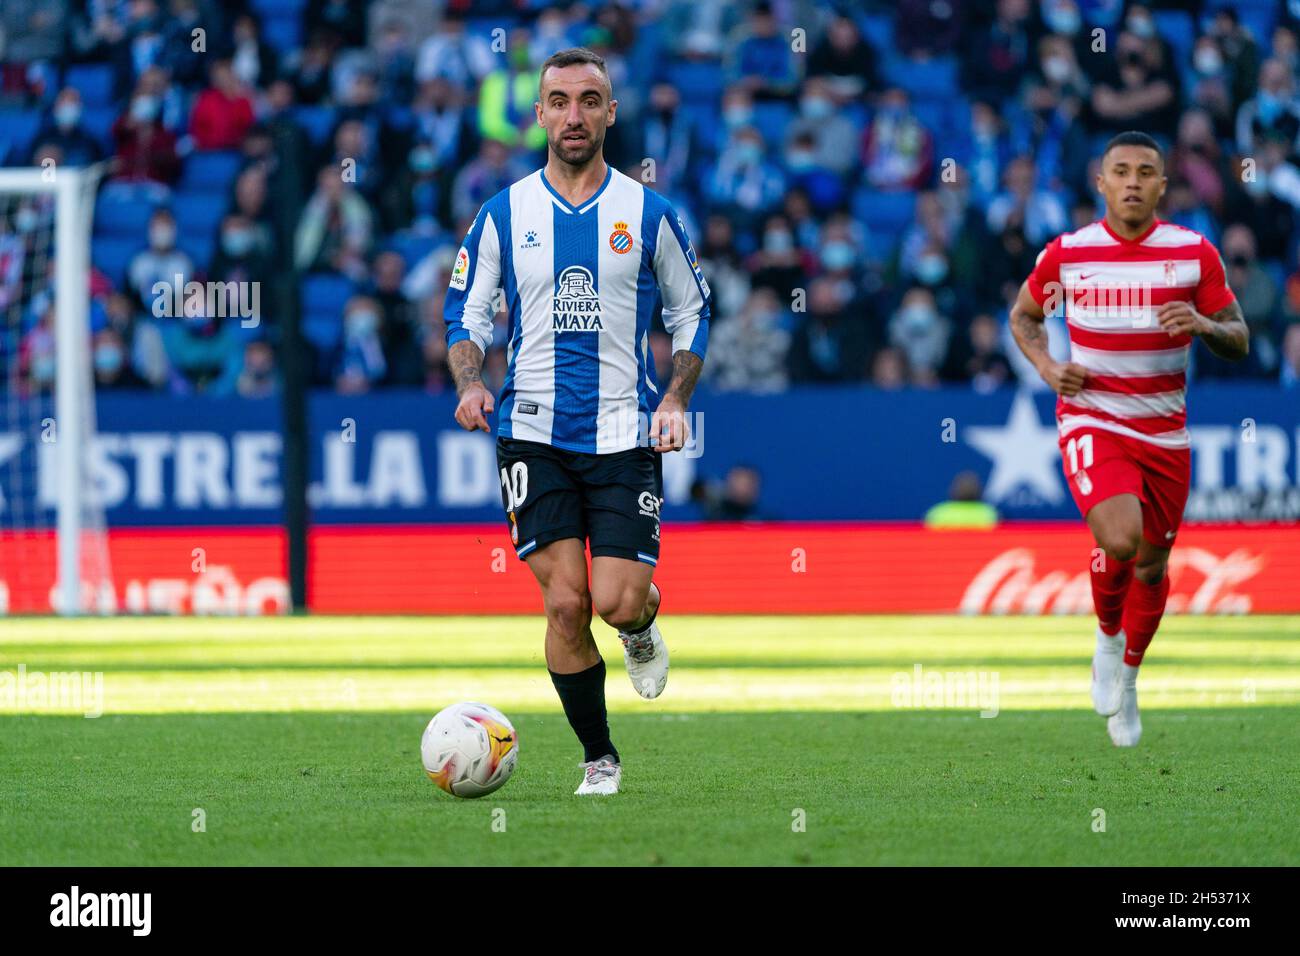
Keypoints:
pixel 1106 660
pixel 1125 727
pixel 600 778
pixel 646 656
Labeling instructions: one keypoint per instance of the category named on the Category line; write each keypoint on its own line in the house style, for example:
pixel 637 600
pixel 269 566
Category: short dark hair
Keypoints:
pixel 572 57
pixel 1133 137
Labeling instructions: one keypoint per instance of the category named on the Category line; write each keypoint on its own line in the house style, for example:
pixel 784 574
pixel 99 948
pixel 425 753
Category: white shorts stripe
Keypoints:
pixel 1179 438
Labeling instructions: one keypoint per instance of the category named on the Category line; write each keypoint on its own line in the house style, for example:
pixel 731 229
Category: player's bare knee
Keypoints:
pixel 621 608
pixel 1150 572
pixel 568 611
pixel 1120 544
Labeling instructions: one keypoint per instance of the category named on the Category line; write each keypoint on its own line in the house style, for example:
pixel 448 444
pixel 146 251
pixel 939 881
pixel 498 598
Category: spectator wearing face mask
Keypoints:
pixel 831 344
pixel 977 358
pixel 145 148
pixel 63 129
pixel 896 148
pixel 1272 114
pixel 112 364
pixel 1141 88
pixel 750 348
pixel 921 333
pixel 241 254
pixel 745 183
pixel 778 264
pixel 834 139
pixel 1040 211
pixel 161 262
pixel 1260 304
pixel 1240 53
pixel 360 364
pixel 1211 82
pixel 845 60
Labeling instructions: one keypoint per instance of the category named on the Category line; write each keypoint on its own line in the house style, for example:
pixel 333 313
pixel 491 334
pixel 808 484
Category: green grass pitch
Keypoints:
pixel 780 740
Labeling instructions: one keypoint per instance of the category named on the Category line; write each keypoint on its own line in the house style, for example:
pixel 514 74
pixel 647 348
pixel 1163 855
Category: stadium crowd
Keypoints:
pixel 866 183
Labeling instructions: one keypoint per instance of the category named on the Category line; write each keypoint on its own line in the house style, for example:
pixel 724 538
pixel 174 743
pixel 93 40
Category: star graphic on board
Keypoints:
pixel 1024 453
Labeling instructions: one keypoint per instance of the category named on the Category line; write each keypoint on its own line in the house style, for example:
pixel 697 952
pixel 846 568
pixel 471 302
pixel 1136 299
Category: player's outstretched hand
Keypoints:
pixel 475 405
pixel 668 430
pixel 1065 378
pixel 1181 318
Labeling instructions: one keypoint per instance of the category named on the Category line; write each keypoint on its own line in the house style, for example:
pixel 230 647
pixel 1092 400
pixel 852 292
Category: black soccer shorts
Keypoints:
pixel 610 501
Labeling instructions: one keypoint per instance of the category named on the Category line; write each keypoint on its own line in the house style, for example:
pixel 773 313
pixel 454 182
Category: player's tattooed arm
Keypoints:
pixel 668 429
pixel 686 372
pixel 465 360
pixel 1224 333
pixel 1065 378
pixel 466 363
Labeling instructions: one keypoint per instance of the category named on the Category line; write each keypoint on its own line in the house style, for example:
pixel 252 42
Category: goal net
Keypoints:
pixel 53 540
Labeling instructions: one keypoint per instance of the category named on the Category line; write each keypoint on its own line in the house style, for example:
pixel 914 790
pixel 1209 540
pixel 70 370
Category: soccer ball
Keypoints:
pixel 469 749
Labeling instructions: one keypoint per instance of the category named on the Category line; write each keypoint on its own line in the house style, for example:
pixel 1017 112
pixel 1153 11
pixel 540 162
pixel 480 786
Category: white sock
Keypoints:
pixel 1130 676
pixel 1110 643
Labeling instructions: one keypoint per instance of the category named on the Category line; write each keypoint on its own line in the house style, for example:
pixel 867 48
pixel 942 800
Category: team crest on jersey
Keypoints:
pixel 620 240
pixel 575 305
pixel 1171 272
pixel 460 271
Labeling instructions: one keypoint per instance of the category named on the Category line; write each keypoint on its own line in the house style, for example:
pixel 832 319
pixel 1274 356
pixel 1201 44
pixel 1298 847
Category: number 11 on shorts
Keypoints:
pixel 1079 447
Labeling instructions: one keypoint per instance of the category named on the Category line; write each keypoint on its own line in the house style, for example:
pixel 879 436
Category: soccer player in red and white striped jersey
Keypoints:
pixel 1135 292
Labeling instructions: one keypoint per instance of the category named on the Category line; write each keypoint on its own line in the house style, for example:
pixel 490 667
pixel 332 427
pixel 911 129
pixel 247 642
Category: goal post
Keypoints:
pixel 31 201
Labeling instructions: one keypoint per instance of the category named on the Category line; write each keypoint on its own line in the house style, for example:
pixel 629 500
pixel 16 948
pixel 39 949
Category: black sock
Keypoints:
pixel 583 697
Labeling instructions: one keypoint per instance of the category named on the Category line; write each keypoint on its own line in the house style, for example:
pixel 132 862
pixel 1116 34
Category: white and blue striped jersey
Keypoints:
pixel 581 284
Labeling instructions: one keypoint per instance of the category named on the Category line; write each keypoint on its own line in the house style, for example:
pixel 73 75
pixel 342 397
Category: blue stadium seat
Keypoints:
pixel 122 215
pixel 699 81
pixel 934 77
pixel 323 330
pixel 199 213
pixel 198 248
pixel 326 293
pixel 204 171
pixel 414 247
pixel 318 121
pixel 283 31
pixel 266 8
pixel 878 29
pixel 1178 29
pixel 112 255
pixel 884 212
pixel 17 130
pixel 772 119
pixel 98 122
pixel 94 81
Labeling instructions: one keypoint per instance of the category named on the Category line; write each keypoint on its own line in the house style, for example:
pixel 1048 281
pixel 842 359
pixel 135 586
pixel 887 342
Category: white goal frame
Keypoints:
pixel 74 192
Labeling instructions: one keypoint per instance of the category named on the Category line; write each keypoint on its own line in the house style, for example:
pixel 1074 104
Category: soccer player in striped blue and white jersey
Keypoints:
pixel 583 255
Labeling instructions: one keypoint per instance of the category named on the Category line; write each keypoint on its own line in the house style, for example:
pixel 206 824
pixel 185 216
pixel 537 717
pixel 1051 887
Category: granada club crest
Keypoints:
pixel 1171 273
pixel 620 240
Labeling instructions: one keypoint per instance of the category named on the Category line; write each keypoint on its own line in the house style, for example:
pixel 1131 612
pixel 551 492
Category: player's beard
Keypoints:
pixel 577 156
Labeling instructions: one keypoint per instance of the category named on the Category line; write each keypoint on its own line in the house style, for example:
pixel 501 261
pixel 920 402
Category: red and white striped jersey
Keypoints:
pixel 1111 288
